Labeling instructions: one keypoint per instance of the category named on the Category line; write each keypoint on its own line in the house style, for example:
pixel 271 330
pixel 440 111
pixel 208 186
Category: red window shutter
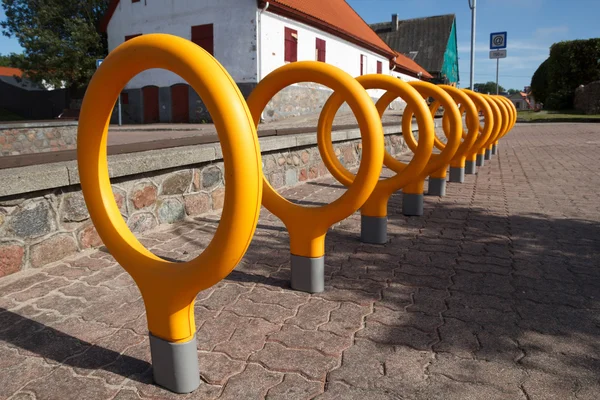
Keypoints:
pixel 291 45
pixel 379 67
pixel 203 36
pixel 320 50
pixel 132 36
pixel 362 65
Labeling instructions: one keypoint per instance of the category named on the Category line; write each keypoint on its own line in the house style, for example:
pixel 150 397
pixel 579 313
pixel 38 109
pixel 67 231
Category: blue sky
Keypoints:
pixel 532 26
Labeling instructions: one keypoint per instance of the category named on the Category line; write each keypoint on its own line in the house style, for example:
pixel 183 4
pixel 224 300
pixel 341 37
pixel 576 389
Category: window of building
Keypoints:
pixel 363 64
pixel 320 50
pixel 135 1
pixel 291 45
pixel 203 36
pixel 379 67
pixel 132 36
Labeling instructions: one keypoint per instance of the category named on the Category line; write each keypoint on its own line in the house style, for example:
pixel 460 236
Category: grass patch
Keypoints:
pixel 6 115
pixel 555 116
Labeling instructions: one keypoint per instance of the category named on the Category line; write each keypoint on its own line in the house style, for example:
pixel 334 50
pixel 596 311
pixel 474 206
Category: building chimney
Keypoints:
pixel 394 22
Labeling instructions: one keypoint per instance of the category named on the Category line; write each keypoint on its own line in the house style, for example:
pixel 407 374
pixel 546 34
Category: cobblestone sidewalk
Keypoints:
pixel 492 294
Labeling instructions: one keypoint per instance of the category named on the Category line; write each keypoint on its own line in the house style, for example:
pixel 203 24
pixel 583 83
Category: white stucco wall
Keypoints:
pixel 339 52
pixel 234 32
pixel 404 77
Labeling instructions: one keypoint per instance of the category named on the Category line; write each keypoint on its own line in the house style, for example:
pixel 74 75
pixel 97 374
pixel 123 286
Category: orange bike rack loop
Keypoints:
pixel 437 182
pixel 496 131
pixel 513 114
pixel 169 289
pixel 412 194
pixel 484 132
pixel 374 211
pixel 307 226
pixel 506 119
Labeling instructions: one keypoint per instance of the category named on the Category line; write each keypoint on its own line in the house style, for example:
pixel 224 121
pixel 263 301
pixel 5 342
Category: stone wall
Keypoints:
pixel 26 138
pixel 45 226
pixel 587 98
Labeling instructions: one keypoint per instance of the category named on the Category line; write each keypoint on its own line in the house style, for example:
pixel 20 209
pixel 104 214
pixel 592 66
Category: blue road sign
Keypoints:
pixel 497 40
pixel 98 62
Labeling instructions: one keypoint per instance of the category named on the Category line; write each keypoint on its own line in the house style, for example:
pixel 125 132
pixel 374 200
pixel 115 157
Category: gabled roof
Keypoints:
pixel 429 36
pixel 333 16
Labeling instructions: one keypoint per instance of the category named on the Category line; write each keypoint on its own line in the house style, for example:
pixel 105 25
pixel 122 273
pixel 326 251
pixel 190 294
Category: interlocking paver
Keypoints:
pixel 492 294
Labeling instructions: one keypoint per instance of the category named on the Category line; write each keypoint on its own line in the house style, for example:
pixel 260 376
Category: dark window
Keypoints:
pixel 320 50
pixel 379 67
pixel 135 1
pixel 202 35
pixel 132 36
pixel 124 98
pixel 291 45
pixel 363 64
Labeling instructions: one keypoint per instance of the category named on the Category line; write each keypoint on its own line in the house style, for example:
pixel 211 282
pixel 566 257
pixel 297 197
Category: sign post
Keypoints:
pixel 98 63
pixel 497 51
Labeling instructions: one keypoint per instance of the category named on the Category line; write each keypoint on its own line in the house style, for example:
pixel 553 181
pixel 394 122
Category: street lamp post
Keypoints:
pixel 472 5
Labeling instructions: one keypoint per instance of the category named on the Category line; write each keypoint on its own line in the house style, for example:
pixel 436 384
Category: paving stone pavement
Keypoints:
pixel 492 294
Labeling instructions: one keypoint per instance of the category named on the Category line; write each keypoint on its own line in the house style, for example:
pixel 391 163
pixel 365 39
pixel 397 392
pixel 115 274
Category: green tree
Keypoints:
pixel 60 38
pixel 488 87
pixel 5 61
pixel 513 91
pixel 539 82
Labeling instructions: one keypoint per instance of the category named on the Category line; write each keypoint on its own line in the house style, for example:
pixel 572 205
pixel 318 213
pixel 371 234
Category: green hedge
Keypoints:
pixel 571 64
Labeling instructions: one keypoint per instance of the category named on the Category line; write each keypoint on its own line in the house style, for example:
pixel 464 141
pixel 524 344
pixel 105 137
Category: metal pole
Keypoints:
pixel 472 7
pixel 119 106
pixel 497 68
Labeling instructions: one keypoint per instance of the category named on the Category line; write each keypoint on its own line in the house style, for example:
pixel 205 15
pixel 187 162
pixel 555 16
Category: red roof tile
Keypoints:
pixel 335 16
pixel 9 71
pixel 409 65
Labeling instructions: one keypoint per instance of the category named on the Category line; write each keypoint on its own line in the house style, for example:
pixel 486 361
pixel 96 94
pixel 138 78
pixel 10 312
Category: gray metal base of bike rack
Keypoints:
pixel 308 274
pixel 488 154
pixel 412 204
pixel 175 365
pixel 494 149
pixel 480 160
pixel 471 168
pixel 457 174
pixel 373 230
pixel 437 187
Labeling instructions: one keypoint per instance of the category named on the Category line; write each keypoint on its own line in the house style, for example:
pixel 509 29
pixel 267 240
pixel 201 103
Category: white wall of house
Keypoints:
pixel 339 52
pixel 404 77
pixel 234 32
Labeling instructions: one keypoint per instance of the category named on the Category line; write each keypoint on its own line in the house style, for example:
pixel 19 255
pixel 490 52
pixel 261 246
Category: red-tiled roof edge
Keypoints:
pixel 297 15
pixel 10 71
pixel 407 65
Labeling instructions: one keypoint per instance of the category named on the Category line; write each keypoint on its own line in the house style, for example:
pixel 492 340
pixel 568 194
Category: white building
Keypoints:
pixel 250 38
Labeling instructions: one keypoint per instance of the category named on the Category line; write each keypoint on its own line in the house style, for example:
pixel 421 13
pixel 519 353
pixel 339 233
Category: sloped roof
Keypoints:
pixel 335 16
pixel 9 71
pixel 429 36
pixel 409 65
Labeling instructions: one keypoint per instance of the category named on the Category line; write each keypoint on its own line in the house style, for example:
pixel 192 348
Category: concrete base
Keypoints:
pixel 412 204
pixel 480 160
pixel 437 187
pixel 373 230
pixel 308 274
pixel 488 154
pixel 457 174
pixel 175 365
pixel 494 149
pixel 471 168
